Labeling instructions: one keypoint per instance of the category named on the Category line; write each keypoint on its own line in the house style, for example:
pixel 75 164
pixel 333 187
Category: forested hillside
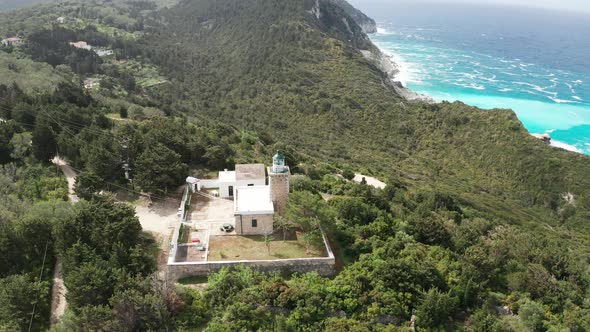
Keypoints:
pixel 302 79
pixel 480 227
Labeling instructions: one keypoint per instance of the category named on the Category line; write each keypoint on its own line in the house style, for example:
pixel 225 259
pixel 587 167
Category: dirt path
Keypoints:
pixel 59 291
pixel 70 175
pixel 155 219
pixel 58 295
pixel 159 217
pixel 371 181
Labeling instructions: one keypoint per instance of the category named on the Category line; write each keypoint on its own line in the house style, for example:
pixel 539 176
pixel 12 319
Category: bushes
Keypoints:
pixel 435 309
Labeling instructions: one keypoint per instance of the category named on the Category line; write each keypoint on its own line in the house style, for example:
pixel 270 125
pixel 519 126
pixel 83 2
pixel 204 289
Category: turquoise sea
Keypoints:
pixel 535 62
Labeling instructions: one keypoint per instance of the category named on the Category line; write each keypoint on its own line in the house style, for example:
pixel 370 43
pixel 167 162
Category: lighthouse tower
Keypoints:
pixel 278 179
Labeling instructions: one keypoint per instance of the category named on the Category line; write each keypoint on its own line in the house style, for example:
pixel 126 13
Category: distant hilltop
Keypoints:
pixel 13 4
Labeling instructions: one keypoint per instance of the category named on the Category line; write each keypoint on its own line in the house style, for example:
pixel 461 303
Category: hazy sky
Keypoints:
pixel 569 5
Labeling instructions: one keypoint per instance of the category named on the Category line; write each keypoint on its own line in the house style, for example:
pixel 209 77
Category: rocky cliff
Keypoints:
pixel 366 23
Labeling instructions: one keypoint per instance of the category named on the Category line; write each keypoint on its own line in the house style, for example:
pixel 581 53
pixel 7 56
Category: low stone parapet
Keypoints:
pixel 324 266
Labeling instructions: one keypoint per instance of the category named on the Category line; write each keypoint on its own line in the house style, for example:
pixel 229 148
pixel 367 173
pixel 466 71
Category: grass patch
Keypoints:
pixel 235 248
pixel 146 75
pixel 193 280
pixel 31 76
pixel 185 233
pixel 117 117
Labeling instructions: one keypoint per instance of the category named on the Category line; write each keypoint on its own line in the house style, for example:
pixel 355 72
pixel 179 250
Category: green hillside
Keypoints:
pixel 273 67
pixel 481 227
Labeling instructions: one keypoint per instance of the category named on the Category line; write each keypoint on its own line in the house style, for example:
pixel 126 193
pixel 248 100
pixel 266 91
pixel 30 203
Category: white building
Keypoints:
pixel 12 41
pixel 81 45
pixel 253 210
pixel 255 202
pixel 245 175
pixel 61 20
pixel 102 52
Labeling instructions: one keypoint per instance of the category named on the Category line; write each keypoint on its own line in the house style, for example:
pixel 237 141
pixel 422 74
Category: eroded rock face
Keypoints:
pixel 366 23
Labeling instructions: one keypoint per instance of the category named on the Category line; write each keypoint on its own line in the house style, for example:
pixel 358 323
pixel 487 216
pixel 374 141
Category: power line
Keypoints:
pixel 40 278
pixel 163 198
pixel 76 125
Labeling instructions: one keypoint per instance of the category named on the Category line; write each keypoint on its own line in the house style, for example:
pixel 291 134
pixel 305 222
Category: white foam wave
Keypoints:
pixel 382 31
pixel 537 88
pixel 405 72
pixel 565 146
pixel 474 86
pixel 505 90
pixel 563 101
pixel 577 98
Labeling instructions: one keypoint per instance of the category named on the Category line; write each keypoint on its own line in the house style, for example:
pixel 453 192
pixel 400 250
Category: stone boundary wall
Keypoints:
pixel 324 266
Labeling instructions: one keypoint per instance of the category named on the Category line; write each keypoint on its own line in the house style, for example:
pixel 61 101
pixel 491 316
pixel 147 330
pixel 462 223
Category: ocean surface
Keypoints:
pixel 536 62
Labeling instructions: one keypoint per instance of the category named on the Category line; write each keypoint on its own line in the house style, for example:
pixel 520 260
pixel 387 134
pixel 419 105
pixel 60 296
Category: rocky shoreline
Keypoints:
pixel 388 66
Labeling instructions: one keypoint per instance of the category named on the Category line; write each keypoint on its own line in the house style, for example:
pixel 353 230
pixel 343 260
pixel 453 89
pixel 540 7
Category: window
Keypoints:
pixel 251 185
pixel 254 223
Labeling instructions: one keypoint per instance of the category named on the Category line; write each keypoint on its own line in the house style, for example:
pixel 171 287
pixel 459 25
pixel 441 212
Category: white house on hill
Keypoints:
pixel 245 175
pixel 255 201
pixel 81 45
pixel 12 41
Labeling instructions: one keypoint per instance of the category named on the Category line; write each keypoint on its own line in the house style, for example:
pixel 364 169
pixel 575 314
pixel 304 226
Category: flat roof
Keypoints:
pixel 250 172
pixel 227 176
pixel 253 200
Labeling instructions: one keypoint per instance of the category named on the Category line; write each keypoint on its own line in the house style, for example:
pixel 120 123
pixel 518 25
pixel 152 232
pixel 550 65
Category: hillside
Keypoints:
pixel 480 227
pixel 304 80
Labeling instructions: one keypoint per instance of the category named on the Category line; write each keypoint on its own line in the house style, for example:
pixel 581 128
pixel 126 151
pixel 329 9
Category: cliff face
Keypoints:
pixel 334 20
pixel 366 23
pixel 342 21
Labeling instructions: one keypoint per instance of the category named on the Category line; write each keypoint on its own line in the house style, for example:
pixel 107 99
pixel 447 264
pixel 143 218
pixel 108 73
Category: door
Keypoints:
pixel 231 191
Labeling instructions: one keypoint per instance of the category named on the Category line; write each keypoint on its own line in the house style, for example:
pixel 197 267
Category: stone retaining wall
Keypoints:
pixel 324 266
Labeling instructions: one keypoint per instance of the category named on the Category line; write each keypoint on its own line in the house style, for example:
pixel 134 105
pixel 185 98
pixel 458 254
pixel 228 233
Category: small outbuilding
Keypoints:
pixel 245 175
pixel 81 45
pixel 12 41
pixel 254 210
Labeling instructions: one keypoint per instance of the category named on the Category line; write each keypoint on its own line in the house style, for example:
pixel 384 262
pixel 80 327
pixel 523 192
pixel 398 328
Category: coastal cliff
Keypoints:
pixel 343 21
pixel 367 24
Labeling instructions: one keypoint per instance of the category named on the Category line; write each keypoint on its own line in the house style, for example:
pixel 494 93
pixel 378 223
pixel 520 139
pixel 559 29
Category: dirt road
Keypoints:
pixel 59 291
pixel 371 181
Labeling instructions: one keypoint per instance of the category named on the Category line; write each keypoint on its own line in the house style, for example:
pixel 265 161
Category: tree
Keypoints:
pixel 111 229
pixel 18 294
pixel 44 142
pixel 348 174
pixel 21 145
pixel 310 212
pixel 435 309
pixel 268 240
pixel 90 284
pixel 532 315
pixel 7 131
pixel 123 113
pixel 139 306
pixel 284 224
pixel 102 156
pixel 159 168
pixel 88 184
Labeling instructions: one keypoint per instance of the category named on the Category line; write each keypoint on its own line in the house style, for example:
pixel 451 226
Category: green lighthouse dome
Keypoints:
pixel 278 163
